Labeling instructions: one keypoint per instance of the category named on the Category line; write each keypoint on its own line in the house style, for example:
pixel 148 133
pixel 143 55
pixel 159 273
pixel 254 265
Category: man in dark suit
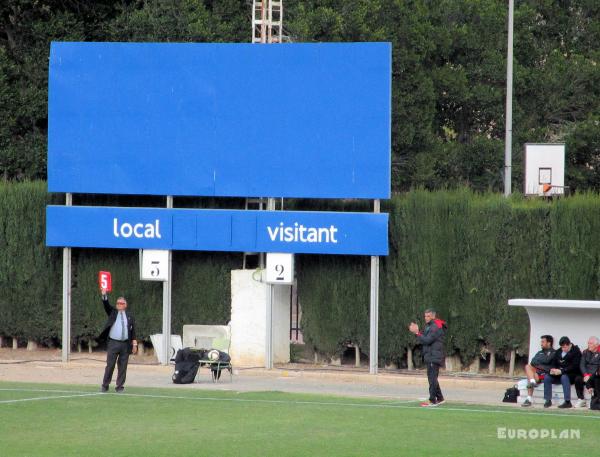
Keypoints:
pixel 119 330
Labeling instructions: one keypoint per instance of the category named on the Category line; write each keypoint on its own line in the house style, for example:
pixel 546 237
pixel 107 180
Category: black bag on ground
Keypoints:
pixel 187 363
pixel 595 403
pixel 511 394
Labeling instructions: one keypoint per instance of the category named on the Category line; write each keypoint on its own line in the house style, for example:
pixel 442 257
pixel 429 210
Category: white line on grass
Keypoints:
pixel 47 390
pixel 52 397
pixel 398 402
pixel 390 405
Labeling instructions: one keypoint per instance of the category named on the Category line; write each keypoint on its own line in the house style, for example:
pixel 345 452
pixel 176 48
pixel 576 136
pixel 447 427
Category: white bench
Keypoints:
pixel 557 394
pixel 577 319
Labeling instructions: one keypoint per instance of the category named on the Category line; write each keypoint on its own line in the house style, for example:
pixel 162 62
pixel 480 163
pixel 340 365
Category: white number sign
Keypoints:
pixel 280 268
pixel 155 265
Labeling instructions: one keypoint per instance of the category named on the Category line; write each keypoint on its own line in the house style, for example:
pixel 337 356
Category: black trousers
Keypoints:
pixel 578 381
pixel 594 383
pixel 435 393
pixel 117 352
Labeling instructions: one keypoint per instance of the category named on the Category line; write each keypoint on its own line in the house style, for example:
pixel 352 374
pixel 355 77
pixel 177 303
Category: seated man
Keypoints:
pixel 540 365
pixel 565 371
pixel 590 363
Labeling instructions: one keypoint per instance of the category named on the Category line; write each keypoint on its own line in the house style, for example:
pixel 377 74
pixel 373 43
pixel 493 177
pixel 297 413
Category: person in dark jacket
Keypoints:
pixel 540 366
pixel 564 371
pixel 589 365
pixel 432 339
pixel 119 329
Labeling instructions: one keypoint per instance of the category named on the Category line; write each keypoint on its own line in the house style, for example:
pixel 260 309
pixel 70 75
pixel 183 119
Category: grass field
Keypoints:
pixel 39 420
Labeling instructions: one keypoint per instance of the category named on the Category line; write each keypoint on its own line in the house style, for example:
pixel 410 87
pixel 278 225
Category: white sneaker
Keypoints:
pixel 580 404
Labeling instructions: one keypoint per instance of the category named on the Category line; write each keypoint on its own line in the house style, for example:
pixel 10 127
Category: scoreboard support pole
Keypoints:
pixel 269 311
pixel 166 320
pixel 374 308
pixel 66 298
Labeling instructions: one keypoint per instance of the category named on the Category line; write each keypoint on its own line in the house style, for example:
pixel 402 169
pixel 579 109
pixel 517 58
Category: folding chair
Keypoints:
pixel 215 366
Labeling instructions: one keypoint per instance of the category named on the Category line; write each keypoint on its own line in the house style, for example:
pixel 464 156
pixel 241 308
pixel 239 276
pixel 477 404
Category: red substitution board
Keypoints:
pixel 105 280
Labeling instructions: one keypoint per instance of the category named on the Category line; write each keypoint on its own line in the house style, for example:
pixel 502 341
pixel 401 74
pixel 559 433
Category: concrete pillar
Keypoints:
pixel 249 317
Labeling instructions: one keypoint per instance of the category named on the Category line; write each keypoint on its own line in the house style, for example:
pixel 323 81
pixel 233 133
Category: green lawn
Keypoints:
pixel 40 420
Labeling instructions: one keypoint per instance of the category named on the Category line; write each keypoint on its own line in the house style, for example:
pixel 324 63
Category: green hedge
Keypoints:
pixel 575 247
pixel 30 290
pixel 200 295
pixel 462 253
pixel 31 277
pixel 334 294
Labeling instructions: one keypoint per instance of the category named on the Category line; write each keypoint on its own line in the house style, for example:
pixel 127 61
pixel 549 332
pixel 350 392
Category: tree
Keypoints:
pixel 448 73
pixel 26 29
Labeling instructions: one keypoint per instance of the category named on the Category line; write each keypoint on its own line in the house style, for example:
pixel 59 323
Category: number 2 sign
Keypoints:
pixel 105 280
pixel 280 268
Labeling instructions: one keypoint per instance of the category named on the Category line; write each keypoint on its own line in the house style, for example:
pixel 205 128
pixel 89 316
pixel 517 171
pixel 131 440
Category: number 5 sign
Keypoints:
pixel 154 265
pixel 280 268
pixel 105 280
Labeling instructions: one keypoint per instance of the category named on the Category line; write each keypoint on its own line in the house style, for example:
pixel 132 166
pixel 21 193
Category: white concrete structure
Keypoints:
pixel 249 301
pixel 577 319
pixel 544 164
pixel 204 337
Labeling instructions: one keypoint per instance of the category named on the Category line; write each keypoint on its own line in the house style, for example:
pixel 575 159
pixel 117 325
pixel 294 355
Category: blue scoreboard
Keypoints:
pixel 220 120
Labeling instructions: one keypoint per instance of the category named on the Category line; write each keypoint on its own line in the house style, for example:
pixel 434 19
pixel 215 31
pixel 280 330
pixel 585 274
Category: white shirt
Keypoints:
pixel 118 331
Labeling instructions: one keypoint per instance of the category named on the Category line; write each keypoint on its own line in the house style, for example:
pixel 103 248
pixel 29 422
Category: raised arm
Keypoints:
pixel 107 308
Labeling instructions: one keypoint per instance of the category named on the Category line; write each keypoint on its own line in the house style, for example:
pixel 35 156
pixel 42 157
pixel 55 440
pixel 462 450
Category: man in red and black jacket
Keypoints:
pixel 540 366
pixel 432 339
pixel 589 365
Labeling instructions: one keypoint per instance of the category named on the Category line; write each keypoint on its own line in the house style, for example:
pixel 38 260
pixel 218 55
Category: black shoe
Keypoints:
pixel 547 404
pixel 119 390
pixel 526 403
pixel 103 389
pixel 566 404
